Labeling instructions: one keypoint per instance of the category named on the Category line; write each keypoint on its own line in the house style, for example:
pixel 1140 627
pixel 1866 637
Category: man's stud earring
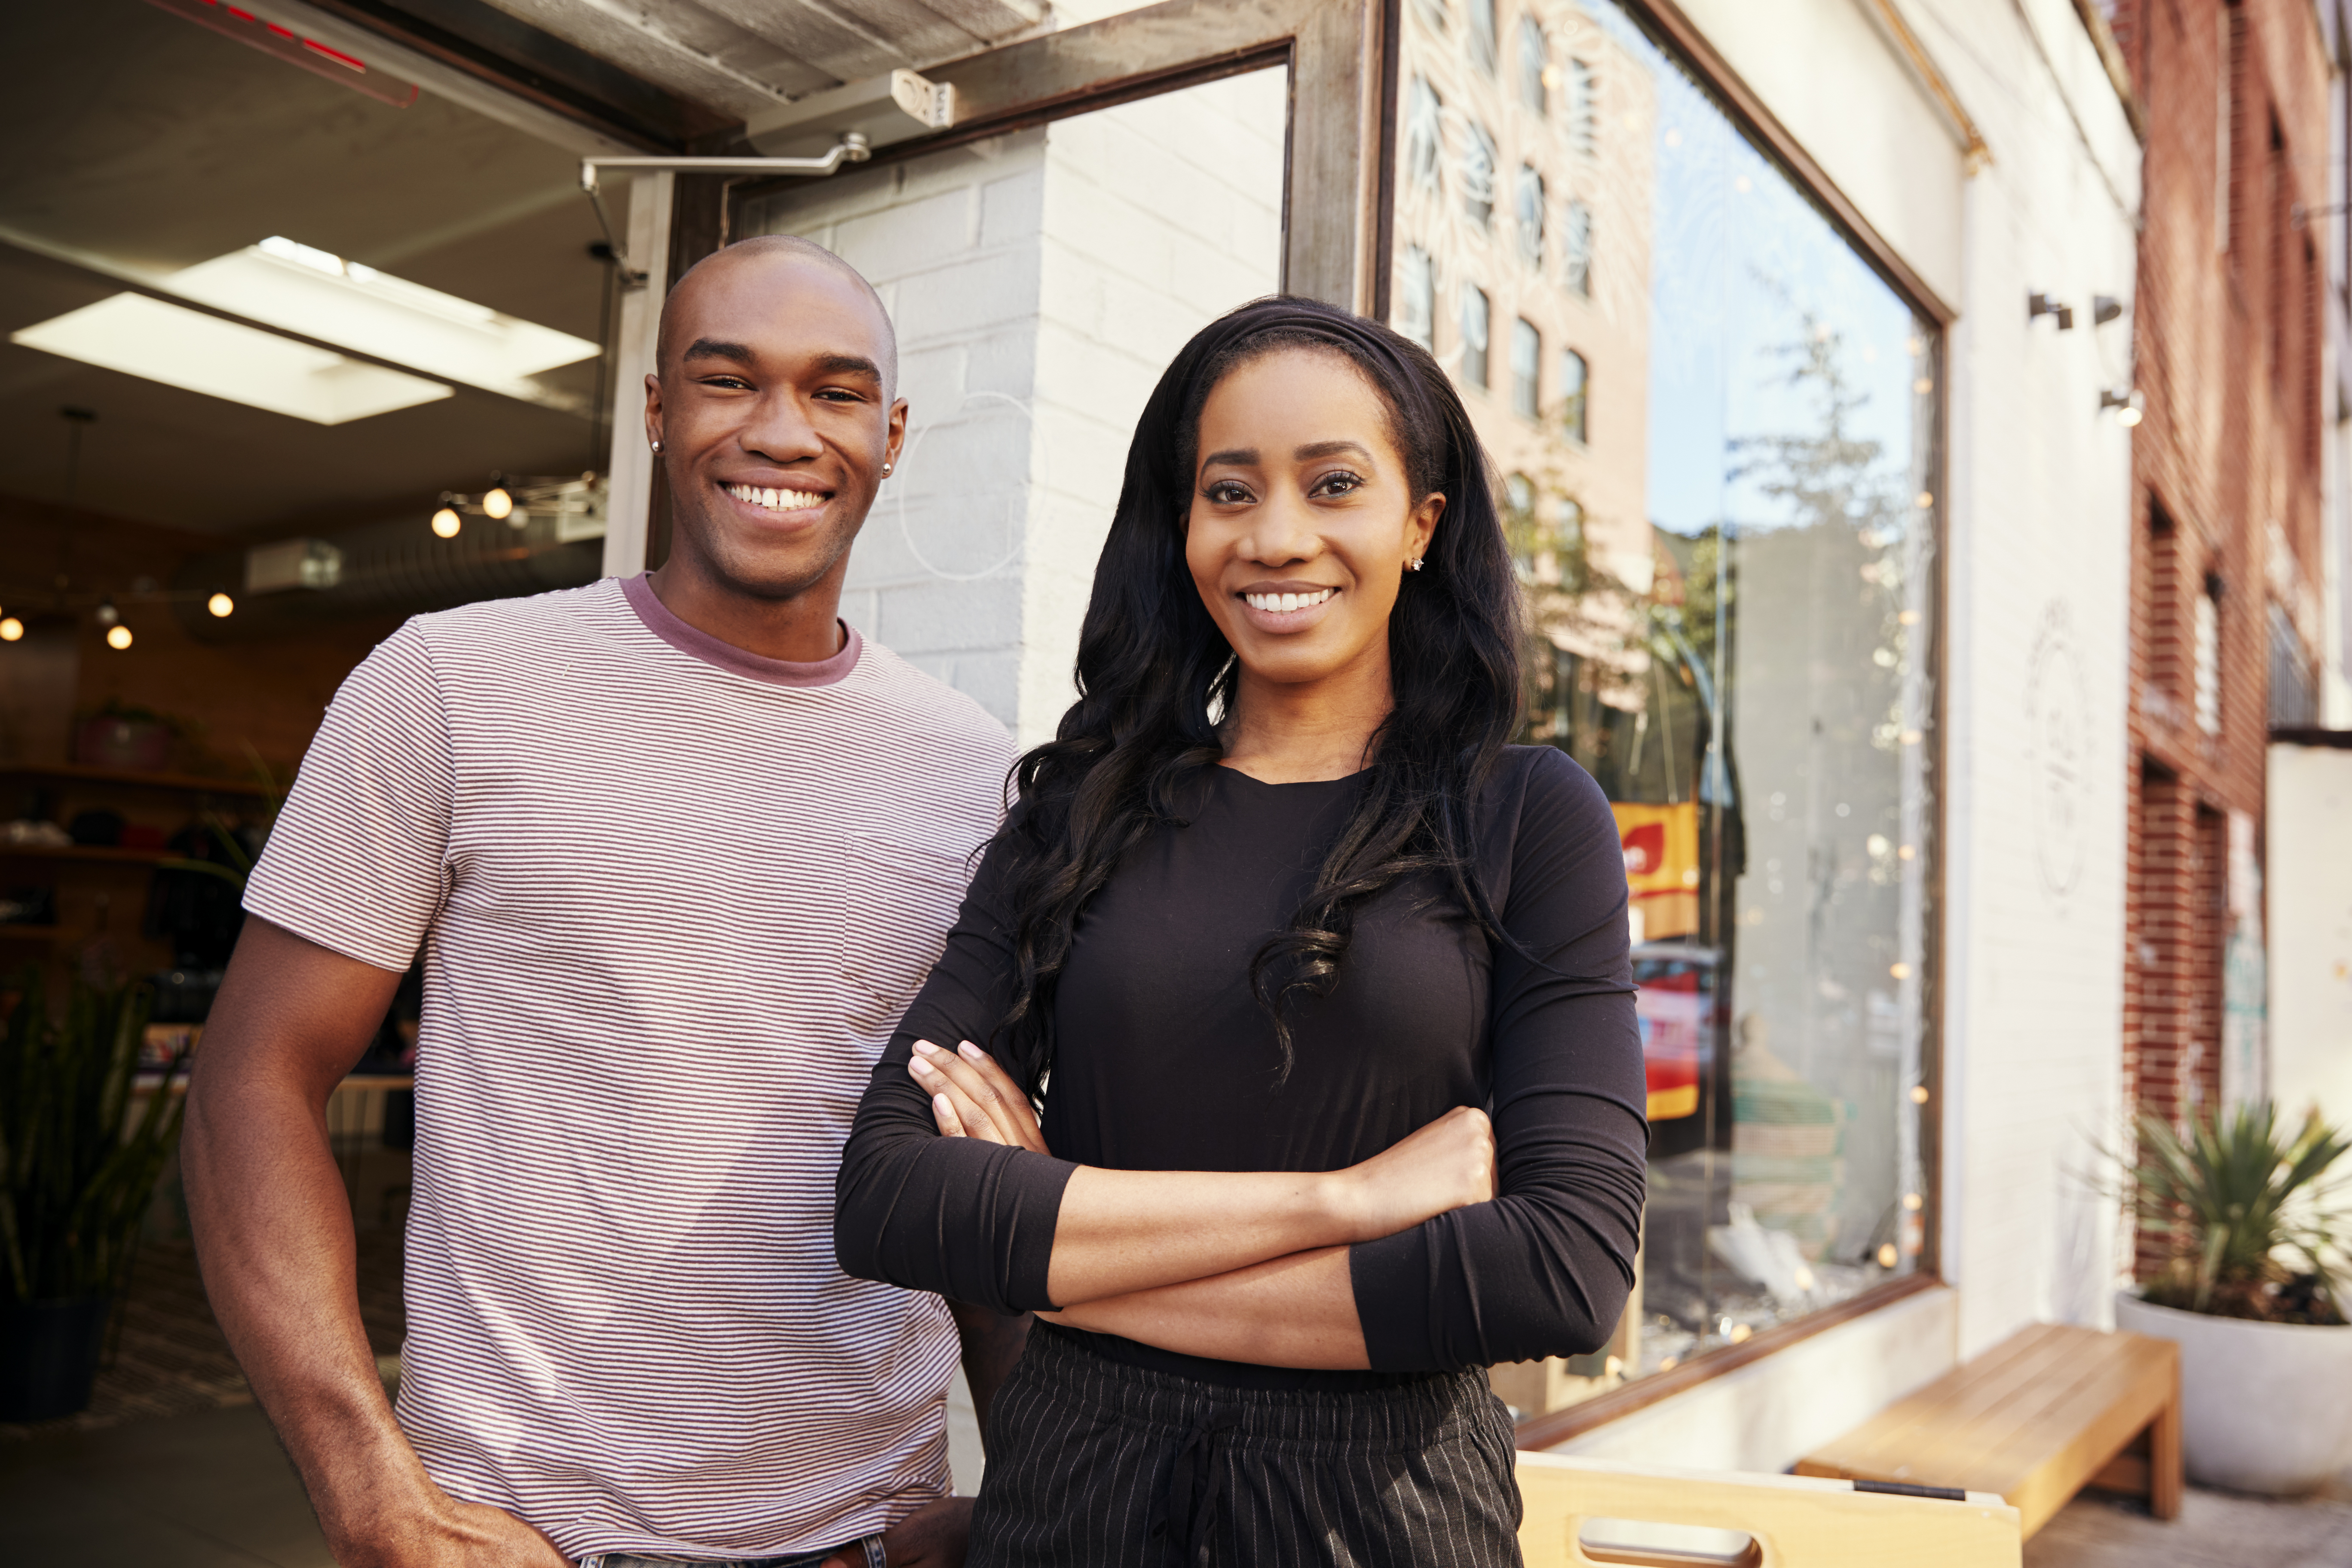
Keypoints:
pixel 886 468
pixel 656 449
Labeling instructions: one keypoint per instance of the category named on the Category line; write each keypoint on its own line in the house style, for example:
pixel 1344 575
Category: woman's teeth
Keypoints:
pixel 776 501
pixel 1283 603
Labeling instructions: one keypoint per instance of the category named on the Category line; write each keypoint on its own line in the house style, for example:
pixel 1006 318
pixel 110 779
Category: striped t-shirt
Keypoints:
pixel 672 898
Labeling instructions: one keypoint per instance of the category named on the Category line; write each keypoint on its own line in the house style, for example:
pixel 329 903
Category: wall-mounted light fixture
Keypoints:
pixel 2037 304
pixel 2129 406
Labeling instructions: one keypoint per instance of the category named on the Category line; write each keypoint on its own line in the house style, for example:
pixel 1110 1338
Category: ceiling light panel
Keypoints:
pixel 187 349
pixel 293 287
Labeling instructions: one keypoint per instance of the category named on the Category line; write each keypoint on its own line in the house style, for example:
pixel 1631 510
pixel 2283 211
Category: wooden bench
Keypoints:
pixel 1790 1521
pixel 2038 1417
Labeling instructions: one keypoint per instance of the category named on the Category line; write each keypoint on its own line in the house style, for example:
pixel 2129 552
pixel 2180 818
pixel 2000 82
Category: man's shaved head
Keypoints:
pixel 770 249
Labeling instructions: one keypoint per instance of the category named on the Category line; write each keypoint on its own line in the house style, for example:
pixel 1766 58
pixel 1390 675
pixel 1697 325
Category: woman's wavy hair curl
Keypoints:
pixel 1154 672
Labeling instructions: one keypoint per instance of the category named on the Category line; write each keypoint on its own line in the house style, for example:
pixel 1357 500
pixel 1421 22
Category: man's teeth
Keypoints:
pixel 1283 603
pixel 776 501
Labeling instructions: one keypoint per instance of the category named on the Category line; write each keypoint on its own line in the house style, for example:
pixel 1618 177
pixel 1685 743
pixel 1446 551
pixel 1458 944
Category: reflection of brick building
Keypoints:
pixel 1523 188
pixel 2226 513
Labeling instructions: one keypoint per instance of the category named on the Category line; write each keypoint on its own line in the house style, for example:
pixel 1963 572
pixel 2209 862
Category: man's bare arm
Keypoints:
pixel 991 1343
pixel 273 1233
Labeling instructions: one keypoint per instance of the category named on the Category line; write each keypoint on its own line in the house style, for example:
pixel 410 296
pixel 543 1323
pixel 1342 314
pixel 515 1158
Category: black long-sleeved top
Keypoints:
pixel 1164 1061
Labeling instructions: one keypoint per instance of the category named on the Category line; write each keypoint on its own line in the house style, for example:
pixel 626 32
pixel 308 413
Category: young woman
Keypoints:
pixel 1285 921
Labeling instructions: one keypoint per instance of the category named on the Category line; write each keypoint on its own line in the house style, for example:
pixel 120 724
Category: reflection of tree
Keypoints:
pixel 1833 479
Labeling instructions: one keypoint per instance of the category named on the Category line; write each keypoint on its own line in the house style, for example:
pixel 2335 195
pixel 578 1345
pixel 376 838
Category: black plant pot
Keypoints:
pixel 48 1356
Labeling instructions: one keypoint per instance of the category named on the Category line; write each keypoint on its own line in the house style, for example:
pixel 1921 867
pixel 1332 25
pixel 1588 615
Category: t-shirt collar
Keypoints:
pixel 696 643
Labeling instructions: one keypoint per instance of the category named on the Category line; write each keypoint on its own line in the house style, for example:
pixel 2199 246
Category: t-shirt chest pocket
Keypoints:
pixel 900 900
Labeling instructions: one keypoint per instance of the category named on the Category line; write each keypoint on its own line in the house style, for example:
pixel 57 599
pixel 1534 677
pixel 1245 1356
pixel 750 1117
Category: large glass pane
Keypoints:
pixel 1724 520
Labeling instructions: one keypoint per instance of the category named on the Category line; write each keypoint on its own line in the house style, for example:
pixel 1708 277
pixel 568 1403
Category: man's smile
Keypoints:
pixel 769 499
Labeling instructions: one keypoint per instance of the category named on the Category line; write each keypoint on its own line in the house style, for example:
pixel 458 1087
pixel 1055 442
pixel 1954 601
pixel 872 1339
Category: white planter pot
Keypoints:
pixel 2265 1407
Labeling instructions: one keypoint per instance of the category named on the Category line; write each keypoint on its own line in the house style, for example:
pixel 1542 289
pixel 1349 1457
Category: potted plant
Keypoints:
pixel 2249 1294
pixel 78 1170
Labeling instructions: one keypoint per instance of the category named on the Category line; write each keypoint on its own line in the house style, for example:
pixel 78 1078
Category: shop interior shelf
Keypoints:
pixel 183 783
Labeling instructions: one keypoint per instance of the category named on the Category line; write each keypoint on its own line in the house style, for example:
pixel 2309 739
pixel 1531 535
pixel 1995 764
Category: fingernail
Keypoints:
pixel 939 1102
pixel 922 1069
pixel 925 1047
pixel 970 1051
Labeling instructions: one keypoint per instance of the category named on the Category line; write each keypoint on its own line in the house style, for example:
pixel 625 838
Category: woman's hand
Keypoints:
pixel 973 1097
pixel 1446 1165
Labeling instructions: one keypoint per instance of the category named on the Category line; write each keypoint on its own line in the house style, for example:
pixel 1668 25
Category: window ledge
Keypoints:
pixel 1555 1428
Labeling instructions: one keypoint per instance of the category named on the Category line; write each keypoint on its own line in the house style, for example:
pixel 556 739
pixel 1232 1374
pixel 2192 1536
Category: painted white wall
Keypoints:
pixel 2309 818
pixel 1772 1413
pixel 2038 622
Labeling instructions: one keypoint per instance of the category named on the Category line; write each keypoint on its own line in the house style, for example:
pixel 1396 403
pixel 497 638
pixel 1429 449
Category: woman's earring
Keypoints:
pixel 886 468
pixel 1414 564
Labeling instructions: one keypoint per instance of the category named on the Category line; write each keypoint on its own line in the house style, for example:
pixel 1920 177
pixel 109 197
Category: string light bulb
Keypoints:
pixel 221 605
pixel 497 505
pixel 11 629
pixel 446 523
pixel 2129 406
pixel 117 636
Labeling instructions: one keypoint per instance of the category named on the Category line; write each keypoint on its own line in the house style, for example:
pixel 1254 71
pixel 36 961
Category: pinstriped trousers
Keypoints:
pixel 1096 1464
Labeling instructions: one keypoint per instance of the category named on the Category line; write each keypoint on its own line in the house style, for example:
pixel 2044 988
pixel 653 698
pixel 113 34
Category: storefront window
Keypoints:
pixel 1725 523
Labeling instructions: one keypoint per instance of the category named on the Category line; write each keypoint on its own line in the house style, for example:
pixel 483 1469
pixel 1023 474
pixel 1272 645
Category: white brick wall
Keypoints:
pixel 951 244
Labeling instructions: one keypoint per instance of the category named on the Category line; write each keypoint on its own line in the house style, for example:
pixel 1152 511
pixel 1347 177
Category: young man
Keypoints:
pixel 679 852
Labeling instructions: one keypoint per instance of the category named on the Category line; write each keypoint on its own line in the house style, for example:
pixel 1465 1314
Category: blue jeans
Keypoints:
pixel 872 1544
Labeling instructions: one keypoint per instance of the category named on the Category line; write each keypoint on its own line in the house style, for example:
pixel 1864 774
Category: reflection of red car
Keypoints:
pixel 1677 1007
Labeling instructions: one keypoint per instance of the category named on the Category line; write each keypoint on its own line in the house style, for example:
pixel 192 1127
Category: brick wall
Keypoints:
pixel 2225 493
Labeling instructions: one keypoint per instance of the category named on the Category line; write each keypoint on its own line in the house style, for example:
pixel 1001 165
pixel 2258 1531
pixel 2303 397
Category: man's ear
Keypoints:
pixel 652 410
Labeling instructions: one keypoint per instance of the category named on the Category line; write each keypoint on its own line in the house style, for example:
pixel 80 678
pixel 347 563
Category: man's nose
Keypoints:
pixel 781 431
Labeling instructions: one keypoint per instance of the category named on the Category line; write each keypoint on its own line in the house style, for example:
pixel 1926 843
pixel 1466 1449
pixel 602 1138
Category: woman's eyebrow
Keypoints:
pixel 1313 450
pixel 1232 457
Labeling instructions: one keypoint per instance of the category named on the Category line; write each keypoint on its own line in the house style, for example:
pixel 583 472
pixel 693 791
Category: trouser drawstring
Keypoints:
pixel 1189 1508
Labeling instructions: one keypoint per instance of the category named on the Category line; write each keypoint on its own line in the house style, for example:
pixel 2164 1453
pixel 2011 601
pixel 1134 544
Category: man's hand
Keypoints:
pixel 973 1097
pixel 454 1535
pixel 933 1536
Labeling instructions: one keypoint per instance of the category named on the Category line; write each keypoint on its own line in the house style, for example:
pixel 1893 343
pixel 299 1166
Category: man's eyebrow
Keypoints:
pixel 1234 457
pixel 848 364
pixel 711 348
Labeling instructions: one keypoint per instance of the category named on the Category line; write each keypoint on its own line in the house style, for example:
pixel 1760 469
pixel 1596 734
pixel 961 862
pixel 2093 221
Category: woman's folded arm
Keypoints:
pixel 1545 1270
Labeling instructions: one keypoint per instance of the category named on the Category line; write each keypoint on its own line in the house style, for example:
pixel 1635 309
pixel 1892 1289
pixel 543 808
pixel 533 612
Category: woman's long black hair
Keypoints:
pixel 1153 668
